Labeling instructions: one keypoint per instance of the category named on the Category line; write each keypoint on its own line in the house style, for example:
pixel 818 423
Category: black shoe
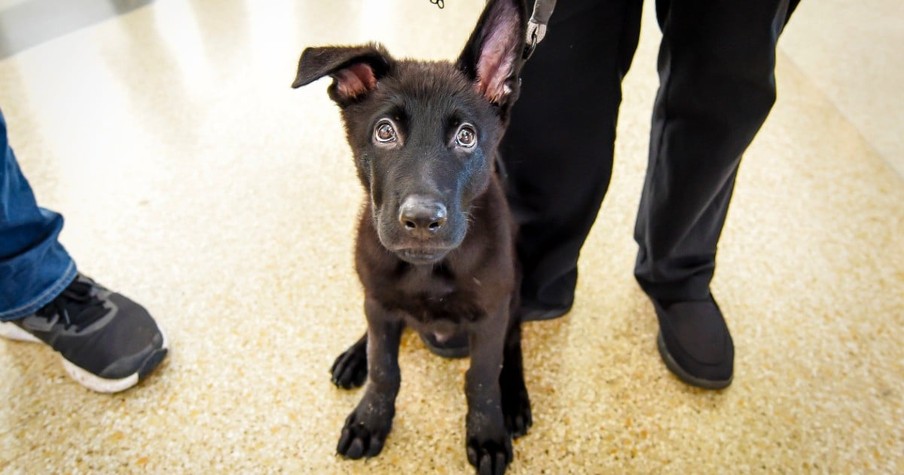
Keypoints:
pixel 455 346
pixel 108 342
pixel 530 313
pixel 695 343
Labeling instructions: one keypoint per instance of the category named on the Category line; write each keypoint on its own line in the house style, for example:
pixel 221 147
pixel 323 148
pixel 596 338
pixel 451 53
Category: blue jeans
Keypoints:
pixel 34 267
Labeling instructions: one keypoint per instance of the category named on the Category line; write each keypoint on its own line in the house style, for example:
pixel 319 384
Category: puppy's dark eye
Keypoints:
pixel 466 137
pixel 384 132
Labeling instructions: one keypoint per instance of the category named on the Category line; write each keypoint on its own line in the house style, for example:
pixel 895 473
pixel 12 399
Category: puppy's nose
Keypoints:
pixel 422 216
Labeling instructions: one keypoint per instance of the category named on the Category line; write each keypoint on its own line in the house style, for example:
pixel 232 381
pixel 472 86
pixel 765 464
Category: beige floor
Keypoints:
pixel 196 181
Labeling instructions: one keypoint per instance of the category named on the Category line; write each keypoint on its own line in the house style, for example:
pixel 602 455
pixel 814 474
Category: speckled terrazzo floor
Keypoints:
pixel 196 181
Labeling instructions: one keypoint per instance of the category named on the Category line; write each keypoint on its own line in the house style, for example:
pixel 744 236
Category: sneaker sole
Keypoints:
pixel 87 379
pixel 11 331
pixel 683 375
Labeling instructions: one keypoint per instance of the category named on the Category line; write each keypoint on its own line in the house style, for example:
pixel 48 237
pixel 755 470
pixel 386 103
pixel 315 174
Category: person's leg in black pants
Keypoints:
pixel 716 68
pixel 558 149
pixel 717 85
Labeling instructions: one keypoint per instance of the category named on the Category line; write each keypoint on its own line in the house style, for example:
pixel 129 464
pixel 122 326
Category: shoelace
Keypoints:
pixel 76 306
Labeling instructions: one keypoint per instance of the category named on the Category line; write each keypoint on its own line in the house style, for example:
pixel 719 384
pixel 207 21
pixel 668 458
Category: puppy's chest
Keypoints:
pixel 428 295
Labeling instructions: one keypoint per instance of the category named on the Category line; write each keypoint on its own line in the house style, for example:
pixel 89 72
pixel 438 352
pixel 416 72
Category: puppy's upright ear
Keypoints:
pixel 492 57
pixel 355 70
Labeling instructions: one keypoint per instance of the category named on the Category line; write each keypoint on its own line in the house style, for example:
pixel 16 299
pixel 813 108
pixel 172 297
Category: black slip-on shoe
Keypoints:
pixel 455 346
pixel 108 343
pixel 695 343
pixel 529 313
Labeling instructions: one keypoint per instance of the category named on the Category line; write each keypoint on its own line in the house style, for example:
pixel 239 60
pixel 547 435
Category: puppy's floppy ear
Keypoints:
pixel 355 69
pixel 492 56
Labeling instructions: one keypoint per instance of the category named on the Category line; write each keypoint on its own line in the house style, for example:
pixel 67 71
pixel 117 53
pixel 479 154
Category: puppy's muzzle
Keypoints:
pixel 422 217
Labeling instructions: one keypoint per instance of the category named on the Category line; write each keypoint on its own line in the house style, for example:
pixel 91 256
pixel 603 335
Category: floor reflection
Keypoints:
pixel 32 22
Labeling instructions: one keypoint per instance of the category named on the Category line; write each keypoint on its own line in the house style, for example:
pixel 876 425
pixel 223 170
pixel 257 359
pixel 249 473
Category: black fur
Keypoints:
pixel 435 239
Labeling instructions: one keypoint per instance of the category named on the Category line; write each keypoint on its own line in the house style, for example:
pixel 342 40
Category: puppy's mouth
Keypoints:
pixel 422 256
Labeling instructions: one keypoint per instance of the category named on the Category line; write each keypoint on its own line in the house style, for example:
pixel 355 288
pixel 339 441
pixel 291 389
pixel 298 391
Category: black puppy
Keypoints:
pixel 435 240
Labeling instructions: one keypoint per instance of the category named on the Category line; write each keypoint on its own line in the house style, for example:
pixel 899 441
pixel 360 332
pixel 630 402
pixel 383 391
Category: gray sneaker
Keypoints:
pixel 108 342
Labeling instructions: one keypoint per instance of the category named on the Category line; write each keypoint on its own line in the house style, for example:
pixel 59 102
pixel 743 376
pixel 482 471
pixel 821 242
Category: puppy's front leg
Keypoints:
pixel 489 444
pixel 368 425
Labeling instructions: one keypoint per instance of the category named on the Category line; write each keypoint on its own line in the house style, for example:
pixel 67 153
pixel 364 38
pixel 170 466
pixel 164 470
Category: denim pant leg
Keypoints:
pixel 34 267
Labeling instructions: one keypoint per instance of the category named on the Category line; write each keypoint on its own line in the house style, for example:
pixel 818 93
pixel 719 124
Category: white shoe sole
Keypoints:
pixel 91 381
pixel 11 331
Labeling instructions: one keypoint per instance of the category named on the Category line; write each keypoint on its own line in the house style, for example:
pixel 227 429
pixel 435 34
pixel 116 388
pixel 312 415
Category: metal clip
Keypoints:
pixel 536 26
pixel 535 33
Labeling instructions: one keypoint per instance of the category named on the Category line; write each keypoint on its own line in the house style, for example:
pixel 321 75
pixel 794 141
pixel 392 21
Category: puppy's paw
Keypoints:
pixel 490 457
pixel 350 368
pixel 517 413
pixel 361 437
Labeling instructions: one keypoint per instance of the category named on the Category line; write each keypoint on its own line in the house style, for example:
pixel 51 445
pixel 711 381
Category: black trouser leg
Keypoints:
pixel 558 149
pixel 717 85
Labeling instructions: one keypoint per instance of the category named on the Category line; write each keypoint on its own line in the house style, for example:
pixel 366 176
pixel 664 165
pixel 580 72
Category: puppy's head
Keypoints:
pixel 424 135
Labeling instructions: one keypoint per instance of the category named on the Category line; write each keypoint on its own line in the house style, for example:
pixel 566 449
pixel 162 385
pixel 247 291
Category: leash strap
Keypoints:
pixel 536 26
